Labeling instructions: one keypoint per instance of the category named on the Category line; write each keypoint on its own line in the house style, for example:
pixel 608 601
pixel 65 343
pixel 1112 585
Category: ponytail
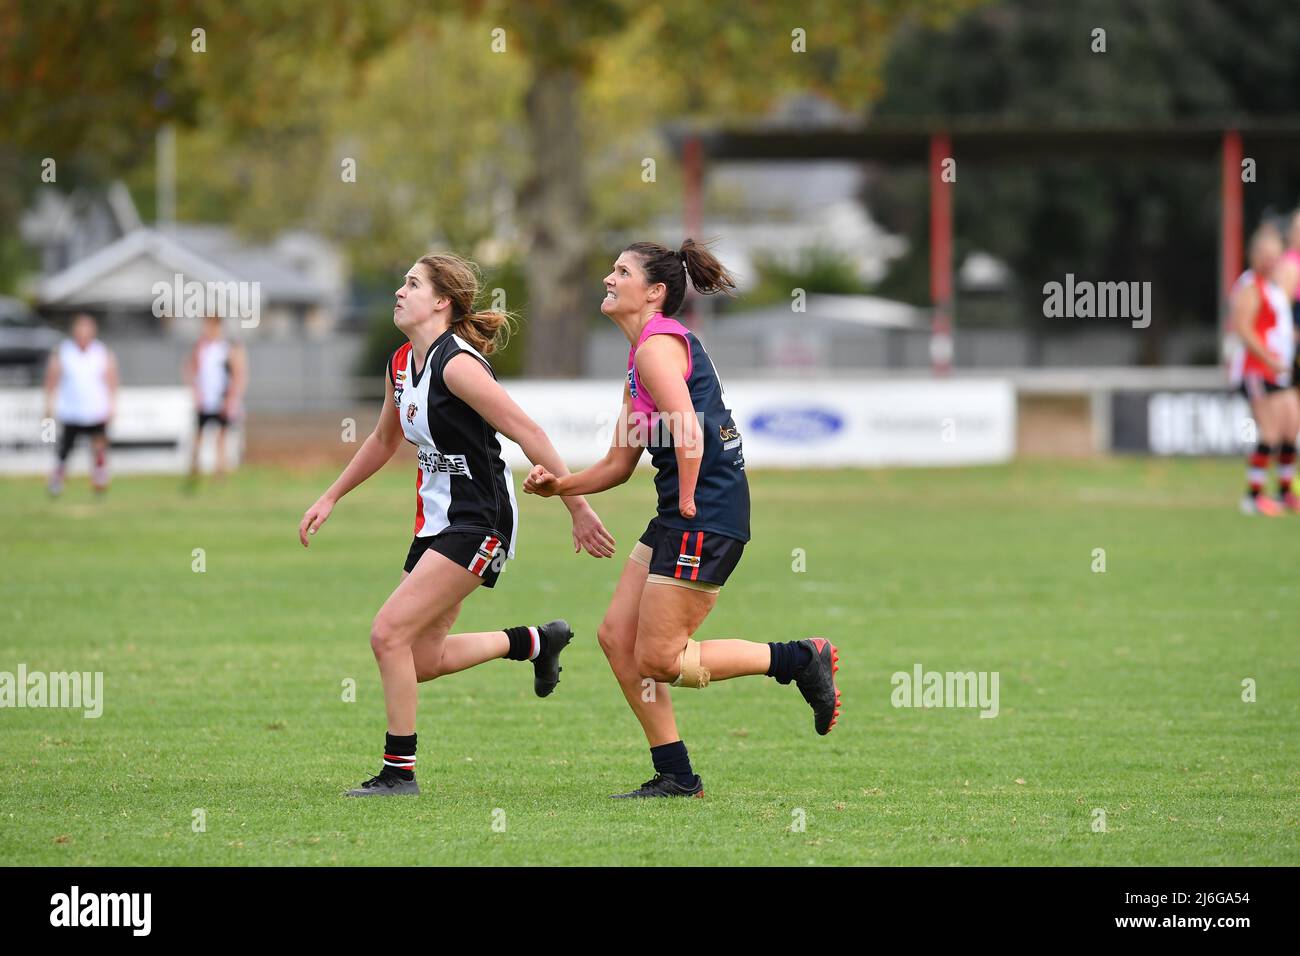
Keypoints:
pixel 487 332
pixel 458 279
pixel 708 275
pixel 672 268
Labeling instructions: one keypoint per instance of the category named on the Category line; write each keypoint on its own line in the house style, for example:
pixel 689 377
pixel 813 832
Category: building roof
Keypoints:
pixel 991 138
pixel 123 273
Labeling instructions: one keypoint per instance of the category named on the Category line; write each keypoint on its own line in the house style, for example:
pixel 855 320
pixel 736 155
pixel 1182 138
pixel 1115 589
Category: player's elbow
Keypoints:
pixel 529 436
pixel 387 440
pixel 620 468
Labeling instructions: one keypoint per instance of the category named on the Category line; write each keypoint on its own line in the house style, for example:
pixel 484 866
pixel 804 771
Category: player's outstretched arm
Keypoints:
pixel 467 378
pixel 616 467
pixel 374 452
pixel 113 381
pixel 53 371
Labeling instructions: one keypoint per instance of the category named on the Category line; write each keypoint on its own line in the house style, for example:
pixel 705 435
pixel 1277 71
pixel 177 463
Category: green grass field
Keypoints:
pixel 223 689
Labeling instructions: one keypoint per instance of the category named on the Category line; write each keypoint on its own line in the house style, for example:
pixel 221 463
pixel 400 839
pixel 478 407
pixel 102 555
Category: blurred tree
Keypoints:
pixel 814 269
pixel 460 117
pixel 671 59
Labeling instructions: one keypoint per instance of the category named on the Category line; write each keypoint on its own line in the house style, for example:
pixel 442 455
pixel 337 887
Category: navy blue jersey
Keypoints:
pixel 722 491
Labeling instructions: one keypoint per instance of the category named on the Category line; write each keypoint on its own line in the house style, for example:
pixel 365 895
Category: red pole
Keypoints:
pixel 1229 219
pixel 941 254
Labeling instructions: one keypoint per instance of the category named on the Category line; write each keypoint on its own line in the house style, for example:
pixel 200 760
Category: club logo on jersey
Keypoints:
pixel 410 414
pixel 726 434
pixel 631 381
pixel 438 463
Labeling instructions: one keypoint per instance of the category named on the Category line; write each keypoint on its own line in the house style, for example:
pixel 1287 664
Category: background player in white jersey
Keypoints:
pixel 81 395
pixel 442 396
pixel 217 373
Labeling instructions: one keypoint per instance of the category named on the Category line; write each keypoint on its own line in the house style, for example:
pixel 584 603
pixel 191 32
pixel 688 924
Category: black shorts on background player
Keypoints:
pixel 702 557
pixel 218 417
pixel 1256 386
pixel 72 432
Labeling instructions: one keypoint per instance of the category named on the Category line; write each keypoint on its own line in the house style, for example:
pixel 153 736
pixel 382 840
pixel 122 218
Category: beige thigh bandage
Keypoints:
pixel 641 553
pixel 693 673
pixel 704 586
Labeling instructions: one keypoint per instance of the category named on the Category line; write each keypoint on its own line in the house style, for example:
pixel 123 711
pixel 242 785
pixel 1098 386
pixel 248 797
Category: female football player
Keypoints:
pixel 673 405
pixel 1261 318
pixel 442 396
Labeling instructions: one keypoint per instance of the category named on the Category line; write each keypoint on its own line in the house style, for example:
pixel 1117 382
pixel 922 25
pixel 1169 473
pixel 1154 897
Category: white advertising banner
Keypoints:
pixel 821 424
pixel 153 431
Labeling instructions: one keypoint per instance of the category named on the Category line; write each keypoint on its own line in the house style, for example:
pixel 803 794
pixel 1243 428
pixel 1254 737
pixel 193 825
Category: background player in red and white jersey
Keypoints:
pixel 442 396
pixel 1261 317
pixel 216 371
pixel 81 395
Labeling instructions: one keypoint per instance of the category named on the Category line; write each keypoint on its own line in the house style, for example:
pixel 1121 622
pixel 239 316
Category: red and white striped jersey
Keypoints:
pixel 463 483
pixel 1272 322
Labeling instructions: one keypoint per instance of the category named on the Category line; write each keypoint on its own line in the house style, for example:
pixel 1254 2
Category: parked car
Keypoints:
pixel 25 341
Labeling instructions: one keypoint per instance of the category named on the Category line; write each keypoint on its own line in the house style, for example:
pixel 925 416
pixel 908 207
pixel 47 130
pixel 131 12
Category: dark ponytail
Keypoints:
pixel 662 264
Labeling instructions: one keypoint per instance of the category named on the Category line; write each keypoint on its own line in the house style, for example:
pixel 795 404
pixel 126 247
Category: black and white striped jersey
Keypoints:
pixel 463 483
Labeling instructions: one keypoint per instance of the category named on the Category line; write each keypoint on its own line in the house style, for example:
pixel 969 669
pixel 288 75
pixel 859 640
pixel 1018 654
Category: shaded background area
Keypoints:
pixel 319 155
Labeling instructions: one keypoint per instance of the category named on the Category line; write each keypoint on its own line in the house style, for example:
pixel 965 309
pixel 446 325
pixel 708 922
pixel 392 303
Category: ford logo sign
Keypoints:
pixel 798 424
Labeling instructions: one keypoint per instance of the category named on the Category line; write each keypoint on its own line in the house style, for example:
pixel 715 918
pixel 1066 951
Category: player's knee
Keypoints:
pixel 614 641
pixel 656 665
pixel 385 639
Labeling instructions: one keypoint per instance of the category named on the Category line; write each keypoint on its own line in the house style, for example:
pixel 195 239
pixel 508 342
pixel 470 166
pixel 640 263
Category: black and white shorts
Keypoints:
pixel 97 430
pixel 483 554
pixel 700 560
pixel 218 417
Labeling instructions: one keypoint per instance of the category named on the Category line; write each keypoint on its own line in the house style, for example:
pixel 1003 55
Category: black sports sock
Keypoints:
pixel 672 760
pixel 521 642
pixel 399 756
pixel 787 659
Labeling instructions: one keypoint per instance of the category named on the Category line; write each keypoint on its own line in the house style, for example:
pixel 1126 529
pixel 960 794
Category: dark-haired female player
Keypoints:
pixel 442 396
pixel 673 404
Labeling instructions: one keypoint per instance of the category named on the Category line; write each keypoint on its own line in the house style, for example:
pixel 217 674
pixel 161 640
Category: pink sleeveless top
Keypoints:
pixel 658 325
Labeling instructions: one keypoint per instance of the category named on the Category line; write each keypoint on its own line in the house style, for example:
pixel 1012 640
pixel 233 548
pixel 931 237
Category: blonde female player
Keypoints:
pixel 442 396
pixel 1261 316
pixel 673 404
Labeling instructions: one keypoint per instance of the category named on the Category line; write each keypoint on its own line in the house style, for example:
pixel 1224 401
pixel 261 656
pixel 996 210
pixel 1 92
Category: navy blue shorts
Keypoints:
pixel 692 557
